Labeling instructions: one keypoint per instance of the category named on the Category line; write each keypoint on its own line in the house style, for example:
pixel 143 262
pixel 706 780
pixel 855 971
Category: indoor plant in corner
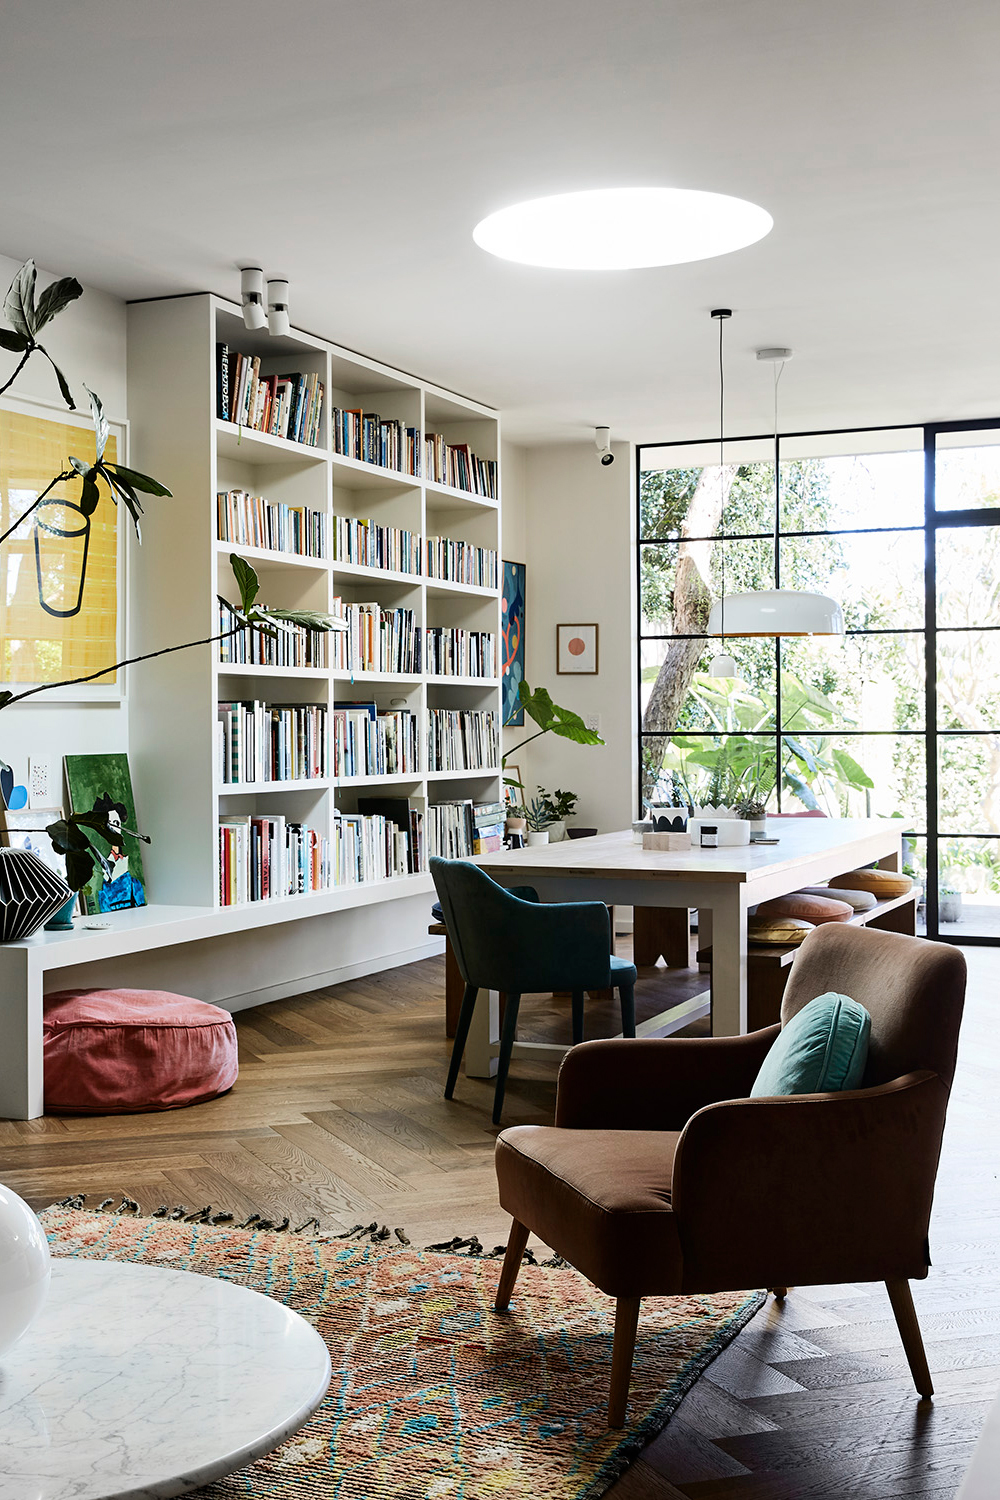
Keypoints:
pixel 537 817
pixel 551 719
pixel 29 898
pixel 560 806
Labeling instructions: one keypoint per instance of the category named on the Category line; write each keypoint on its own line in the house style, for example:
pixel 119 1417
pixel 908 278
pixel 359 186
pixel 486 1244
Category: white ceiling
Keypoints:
pixel 153 148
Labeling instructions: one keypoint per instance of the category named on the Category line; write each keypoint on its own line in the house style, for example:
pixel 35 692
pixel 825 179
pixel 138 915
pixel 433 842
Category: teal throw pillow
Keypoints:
pixel 822 1050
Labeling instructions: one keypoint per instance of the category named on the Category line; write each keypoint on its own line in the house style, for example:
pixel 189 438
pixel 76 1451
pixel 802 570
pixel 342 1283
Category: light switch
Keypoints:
pixel 593 721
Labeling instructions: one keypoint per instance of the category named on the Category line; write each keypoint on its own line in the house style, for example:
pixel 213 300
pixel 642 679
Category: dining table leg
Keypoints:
pixel 484 1035
pixel 729 961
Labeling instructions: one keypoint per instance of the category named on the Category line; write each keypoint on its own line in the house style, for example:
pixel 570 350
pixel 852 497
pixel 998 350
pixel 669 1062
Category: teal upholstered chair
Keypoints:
pixel 508 940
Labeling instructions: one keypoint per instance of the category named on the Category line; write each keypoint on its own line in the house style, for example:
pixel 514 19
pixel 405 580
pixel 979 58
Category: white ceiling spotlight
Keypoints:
pixel 252 296
pixel 602 438
pixel 620 229
pixel 277 307
pixel 776 611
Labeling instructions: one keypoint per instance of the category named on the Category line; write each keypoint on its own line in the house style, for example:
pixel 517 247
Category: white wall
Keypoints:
pixel 87 341
pixel 514 532
pixel 580 520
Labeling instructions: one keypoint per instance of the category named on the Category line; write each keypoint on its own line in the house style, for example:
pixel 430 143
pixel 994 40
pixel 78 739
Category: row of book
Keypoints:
pixel 271 742
pixel 460 828
pixel 292 646
pixel 375 440
pixel 459 652
pixel 265 858
pixel 286 406
pixel 461 562
pixel 370 546
pixel 455 464
pixel 462 740
pixel 367 742
pixel 251 521
pixel 376 639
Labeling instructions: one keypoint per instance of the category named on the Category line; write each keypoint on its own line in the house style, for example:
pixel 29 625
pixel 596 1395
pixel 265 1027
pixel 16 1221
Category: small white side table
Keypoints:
pixel 140 1381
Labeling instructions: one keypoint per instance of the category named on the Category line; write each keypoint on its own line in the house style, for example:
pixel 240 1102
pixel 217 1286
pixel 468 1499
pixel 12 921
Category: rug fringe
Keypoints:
pixel 374 1233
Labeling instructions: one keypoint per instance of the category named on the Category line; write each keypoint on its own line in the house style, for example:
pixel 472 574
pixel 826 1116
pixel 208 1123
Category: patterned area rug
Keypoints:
pixel 434 1396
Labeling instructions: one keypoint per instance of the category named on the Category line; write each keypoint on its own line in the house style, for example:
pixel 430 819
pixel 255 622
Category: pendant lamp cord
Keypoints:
pixel 722 491
pixel 779 367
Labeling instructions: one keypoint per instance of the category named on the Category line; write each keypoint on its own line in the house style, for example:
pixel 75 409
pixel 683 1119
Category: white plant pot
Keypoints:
pixel 950 908
pixel 24 1268
pixel 758 825
pixel 534 839
pixel 557 831
pixel 714 814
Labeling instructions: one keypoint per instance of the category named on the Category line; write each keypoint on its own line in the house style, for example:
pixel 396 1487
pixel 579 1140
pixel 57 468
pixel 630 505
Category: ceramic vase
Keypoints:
pixel 30 893
pixel 24 1268
pixel 536 838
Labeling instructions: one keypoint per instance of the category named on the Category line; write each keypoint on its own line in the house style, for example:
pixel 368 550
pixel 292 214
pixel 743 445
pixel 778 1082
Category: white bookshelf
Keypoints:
pixel 182 566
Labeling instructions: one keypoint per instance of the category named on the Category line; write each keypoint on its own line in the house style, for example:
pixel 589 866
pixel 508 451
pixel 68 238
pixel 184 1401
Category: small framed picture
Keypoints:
pixel 25 829
pixel 512 794
pixel 576 649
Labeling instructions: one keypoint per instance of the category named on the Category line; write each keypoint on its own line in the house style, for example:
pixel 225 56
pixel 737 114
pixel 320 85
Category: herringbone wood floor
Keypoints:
pixel 338 1113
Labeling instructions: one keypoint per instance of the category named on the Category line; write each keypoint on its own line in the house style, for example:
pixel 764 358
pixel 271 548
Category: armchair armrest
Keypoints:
pixel 656 1083
pixel 809 1189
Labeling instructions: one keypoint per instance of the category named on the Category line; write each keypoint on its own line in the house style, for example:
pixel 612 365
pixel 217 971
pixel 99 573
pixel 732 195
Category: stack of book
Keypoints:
pixel 251 521
pixel 487 833
pixel 292 646
pixel 376 639
pixel 462 740
pixel 265 858
pixel 369 743
pixel 460 653
pixel 461 562
pixel 456 465
pixel 270 742
pixel 368 847
pixel 366 436
pixel 286 406
pixel 371 546
pixel 407 816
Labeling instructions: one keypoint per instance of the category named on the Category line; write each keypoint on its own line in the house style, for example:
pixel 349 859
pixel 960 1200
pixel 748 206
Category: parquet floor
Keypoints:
pixel 338 1114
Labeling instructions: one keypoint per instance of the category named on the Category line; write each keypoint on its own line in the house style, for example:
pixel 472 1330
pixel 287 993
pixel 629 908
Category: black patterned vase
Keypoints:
pixel 29 893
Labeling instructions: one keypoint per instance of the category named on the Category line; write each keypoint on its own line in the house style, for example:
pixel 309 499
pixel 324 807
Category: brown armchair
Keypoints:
pixel 661 1177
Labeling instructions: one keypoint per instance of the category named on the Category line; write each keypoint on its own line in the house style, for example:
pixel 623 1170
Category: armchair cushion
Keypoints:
pixel 822 1050
pixel 601 1198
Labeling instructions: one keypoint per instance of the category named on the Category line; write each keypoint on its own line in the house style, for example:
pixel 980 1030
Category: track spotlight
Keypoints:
pixel 277 307
pixel 252 296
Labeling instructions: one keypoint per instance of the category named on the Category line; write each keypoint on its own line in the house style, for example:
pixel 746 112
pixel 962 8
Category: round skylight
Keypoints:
pixel 618 229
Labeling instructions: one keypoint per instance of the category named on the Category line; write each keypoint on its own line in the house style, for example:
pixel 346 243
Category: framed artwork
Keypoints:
pixel 25 829
pixel 512 610
pixel 510 793
pixel 576 649
pixel 61 570
pixel 106 780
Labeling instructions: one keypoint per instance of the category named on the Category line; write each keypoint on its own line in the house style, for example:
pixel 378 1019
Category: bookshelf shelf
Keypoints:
pixel 175 578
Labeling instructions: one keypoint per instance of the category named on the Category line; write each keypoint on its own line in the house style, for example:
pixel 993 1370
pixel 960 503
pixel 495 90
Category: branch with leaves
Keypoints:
pixel 551 719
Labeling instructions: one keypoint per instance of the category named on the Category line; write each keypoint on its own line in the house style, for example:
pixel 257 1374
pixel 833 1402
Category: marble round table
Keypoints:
pixel 139 1381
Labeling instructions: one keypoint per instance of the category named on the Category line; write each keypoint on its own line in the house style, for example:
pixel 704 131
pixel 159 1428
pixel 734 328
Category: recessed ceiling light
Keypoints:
pixel 618 229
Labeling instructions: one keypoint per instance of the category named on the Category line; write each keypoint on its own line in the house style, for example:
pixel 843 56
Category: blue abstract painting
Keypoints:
pixel 513 642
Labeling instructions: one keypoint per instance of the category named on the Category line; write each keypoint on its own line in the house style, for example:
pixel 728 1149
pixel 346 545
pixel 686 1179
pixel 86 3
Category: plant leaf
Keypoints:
pixel 140 481
pixel 128 495
pixel 80 465
pixel 90 494
pixel 5 696
pixel 555 720
pixel 64 389
pixel 15 342
pixel 246 581
pixel 100 422
pixel 19 304
pixel 55 297
pixel 850 771
pixel 312 619
pixel 802 790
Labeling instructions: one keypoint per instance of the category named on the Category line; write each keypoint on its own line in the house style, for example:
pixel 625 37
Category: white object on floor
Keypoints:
pixel 141 1381
pixel 24 1268
pixel 980 1482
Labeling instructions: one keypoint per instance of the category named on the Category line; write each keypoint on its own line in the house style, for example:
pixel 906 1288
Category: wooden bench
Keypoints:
pixel 768 967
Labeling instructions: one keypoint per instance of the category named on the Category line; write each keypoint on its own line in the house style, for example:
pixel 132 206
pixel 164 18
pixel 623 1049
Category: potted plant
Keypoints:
pixel 560 806
pixel 517 818
pixel 551 719
pixel 950 904
pixel 537 817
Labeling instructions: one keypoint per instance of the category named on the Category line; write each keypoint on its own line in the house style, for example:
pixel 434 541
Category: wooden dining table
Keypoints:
pixel 724 885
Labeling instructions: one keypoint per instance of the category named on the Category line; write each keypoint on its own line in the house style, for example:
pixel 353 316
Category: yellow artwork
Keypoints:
pixel 59 570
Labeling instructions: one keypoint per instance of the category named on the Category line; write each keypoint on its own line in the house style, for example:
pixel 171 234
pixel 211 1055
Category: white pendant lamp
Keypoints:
pixel 770 612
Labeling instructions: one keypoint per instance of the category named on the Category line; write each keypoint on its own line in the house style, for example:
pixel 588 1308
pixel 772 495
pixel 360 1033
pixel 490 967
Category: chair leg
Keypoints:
pixel 507 1036
pixel 626 1323
pixel 461 1036
pixel 516 1242
pixel 909 1331
pixel 626 995
pixel 779 1292
pixel 577 1016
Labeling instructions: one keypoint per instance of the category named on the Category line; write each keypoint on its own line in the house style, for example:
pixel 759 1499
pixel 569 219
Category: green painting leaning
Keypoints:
pixel 105 783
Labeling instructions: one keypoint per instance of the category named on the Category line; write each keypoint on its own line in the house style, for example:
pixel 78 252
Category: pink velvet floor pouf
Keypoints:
pixel 110 1052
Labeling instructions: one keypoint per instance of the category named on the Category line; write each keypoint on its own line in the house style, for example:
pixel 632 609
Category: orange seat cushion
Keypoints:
pixel 110 1052
pixel 885 884
pixel 814 909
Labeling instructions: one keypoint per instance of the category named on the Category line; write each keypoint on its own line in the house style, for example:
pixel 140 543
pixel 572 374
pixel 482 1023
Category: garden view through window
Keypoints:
pixel 900 716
